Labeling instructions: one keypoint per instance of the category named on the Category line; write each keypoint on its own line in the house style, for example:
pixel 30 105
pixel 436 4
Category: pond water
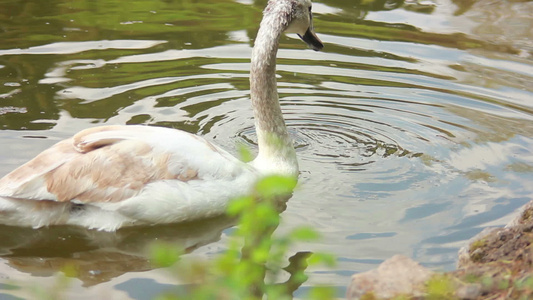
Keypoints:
pixel 413 127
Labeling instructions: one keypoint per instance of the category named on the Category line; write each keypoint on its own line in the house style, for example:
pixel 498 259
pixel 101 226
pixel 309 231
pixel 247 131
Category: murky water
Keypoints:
pixel 414 126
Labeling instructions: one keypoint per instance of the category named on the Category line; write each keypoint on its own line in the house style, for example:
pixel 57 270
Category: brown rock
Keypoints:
pixel 501 258
pixel 396 276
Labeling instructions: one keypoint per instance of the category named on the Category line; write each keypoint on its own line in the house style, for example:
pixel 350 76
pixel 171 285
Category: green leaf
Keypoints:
pixel 266 214
pixel 238 205
pixel 244 153
pixel 322 293
pixel 321 258
pixel 164 255
pixel 440 287
pixel 260 255
pixel 275 185
pixel 304 234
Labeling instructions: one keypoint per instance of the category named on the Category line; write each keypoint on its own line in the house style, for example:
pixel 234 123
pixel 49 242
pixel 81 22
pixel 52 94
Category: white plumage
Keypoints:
pixel 113 176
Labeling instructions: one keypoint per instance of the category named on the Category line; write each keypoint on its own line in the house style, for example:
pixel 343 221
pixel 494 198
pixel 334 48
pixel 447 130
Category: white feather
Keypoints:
pixel 114 176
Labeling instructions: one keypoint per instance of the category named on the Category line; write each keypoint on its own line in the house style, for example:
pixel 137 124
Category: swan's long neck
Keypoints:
pixel 276 152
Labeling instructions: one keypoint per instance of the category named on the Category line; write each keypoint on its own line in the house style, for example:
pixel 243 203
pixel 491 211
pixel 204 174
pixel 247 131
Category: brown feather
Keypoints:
pixel 111 173
pixel 40 164
pixel 91 169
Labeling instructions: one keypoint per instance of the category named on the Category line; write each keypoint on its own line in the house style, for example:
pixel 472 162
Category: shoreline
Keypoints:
pixel 497 263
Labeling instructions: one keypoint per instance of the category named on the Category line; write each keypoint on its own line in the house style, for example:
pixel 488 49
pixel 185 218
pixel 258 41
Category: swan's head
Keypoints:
pixel 299 20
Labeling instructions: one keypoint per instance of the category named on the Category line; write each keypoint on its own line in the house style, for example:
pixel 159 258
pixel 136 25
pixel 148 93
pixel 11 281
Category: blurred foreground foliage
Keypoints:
pixel 255 262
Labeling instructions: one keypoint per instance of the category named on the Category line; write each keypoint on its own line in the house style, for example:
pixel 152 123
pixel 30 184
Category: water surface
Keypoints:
pixel 413 128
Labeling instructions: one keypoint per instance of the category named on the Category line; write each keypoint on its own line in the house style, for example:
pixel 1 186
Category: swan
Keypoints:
pixel 113 176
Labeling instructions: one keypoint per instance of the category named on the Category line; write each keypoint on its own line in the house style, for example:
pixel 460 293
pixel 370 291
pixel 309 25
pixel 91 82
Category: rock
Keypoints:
pixel 508 244
pixel 499 260
pixel 464 255
pixel 396 276
pixel 524 217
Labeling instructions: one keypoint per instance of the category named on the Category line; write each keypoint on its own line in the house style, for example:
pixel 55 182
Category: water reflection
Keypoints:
pixel 97 256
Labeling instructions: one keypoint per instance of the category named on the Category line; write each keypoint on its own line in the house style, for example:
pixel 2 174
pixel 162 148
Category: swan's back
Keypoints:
pixel 145 174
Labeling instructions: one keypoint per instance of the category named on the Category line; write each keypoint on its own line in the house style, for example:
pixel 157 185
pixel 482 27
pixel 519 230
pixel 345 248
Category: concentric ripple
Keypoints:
pixel 326 139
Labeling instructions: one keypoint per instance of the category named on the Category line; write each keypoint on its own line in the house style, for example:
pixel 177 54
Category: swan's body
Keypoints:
pixel 113 176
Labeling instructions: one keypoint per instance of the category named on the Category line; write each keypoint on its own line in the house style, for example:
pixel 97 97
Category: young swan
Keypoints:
pixel 113 176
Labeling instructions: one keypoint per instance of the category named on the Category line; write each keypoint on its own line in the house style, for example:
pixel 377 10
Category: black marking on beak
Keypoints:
pixel 312 40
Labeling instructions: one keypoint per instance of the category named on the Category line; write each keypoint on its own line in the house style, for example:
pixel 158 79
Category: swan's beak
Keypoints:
pixel 312 40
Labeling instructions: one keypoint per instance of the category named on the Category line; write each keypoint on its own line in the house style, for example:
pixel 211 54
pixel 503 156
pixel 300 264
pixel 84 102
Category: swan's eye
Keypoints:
pixel 310 7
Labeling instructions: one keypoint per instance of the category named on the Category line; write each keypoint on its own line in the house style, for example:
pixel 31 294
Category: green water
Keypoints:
pixel 413 128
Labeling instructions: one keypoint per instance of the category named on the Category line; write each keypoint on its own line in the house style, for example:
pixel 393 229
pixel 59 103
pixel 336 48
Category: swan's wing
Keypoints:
pixel 113 163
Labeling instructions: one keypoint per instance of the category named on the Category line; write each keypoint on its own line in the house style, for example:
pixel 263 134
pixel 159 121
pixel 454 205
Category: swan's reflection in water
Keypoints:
pixel 97 256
